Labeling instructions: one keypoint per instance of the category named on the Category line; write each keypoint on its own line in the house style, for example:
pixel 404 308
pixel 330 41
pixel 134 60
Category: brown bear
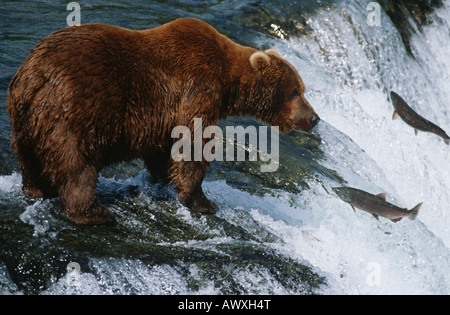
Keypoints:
pixel 91 95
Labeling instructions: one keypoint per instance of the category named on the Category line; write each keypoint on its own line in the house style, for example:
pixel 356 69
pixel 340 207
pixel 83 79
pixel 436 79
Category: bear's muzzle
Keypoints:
pixel 307 124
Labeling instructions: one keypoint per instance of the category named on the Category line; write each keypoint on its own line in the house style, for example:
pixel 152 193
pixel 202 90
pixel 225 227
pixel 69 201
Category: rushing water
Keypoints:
pixel 276 233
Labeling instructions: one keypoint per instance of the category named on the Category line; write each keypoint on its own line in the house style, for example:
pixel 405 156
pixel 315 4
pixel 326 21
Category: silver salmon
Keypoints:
pixel 375 205
pixel 409 116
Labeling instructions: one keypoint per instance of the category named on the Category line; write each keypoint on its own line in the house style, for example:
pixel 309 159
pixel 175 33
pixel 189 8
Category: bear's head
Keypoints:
pixel 282 102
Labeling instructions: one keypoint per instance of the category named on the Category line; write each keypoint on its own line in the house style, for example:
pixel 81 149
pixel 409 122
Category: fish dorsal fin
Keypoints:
pixel 382 196
pixel 375 216
pixel 394 115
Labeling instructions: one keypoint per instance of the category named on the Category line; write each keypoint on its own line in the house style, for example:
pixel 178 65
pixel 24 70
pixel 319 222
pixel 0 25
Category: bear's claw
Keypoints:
pixel 202 205
pixel 97 214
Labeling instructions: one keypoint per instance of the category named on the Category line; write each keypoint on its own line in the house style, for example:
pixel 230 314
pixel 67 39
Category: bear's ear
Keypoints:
pixel 273 52
pixel 259 60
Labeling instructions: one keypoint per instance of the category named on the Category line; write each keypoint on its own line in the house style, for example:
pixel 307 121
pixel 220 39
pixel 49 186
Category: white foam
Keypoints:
pixel 349 247
pixel 11 183
pixel 123 277
pixel 7 287
pixel 39 216
pixel 348 86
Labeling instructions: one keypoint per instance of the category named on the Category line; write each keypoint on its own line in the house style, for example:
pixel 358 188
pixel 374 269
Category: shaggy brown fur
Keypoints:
pixel 95 94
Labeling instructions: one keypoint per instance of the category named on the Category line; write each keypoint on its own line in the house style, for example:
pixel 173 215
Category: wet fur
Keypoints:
pixel 89 96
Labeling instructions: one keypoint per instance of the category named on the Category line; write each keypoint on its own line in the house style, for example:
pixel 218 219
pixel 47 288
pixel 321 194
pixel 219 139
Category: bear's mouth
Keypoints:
pixel 307 124
pixel 303 125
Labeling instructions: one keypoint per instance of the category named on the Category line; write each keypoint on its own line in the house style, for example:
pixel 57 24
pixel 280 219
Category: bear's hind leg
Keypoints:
pixel 79 200
pixel 32 182
pixel 34 186
pixel 28 185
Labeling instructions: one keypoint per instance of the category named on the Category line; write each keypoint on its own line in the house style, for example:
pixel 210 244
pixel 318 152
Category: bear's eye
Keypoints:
pixel 295 93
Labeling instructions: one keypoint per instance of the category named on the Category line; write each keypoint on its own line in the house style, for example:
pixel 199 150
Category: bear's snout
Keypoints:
pixel 306 124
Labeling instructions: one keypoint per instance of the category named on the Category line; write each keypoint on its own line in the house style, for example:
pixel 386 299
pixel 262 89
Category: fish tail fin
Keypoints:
pixel 414 211
pixel 447 141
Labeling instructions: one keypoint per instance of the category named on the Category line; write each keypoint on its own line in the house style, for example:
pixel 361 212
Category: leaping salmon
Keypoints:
pixel 375 205
pixel 413 119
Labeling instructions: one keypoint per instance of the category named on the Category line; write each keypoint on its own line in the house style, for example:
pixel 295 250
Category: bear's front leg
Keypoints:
pixel 79 200
pixel 188 177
